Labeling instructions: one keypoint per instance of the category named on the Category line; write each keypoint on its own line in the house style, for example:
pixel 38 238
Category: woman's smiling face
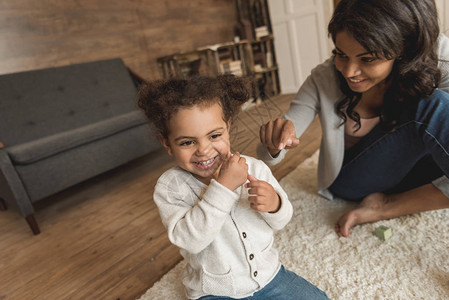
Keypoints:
pixel 198 139
pixel 361 68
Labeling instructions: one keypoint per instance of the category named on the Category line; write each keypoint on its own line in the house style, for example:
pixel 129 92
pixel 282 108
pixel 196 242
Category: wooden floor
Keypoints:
pixel 103 238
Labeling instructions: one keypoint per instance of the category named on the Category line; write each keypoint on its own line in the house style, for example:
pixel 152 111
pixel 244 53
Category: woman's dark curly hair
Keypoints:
pixel 404 30
pixel 161 99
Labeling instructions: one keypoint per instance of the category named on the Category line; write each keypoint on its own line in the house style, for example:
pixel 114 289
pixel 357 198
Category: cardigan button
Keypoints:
pixel 251 256
pixel 244 235
pixel 255 273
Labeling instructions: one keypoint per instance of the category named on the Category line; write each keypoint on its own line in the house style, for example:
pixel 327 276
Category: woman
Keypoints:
pixel 385 123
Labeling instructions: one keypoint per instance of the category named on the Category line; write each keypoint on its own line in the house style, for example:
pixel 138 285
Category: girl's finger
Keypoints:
pixel 253 199
pixel 251 178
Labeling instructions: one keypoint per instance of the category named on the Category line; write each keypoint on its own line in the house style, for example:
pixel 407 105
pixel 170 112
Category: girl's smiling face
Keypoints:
pixel 361 68
pixel 198 140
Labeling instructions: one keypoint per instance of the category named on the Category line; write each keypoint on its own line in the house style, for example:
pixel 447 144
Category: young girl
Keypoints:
pixel 385 124
pixel 223 227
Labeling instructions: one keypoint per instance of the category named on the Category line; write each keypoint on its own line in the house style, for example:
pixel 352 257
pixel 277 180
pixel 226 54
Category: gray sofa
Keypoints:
pixel 60 126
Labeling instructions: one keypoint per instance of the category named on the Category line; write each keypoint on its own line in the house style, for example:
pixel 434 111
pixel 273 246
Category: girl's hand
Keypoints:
pixel 233 171
pixel 264 198
pixel 277 135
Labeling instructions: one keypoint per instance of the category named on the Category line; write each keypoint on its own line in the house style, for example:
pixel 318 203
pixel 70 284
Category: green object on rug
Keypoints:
pixel 383 232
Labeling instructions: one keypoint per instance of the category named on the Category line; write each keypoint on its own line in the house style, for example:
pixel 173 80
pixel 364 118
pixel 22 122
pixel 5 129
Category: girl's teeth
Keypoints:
pixel 206 162
pixel 354 80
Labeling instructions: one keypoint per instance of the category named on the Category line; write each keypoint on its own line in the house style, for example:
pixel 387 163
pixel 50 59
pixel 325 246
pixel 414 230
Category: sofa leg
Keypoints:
pixel 3 204
pixel 31 220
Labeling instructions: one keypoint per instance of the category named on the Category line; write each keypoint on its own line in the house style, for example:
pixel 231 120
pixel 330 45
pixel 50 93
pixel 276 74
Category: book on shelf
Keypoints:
pixel 261 31
pixel 232 67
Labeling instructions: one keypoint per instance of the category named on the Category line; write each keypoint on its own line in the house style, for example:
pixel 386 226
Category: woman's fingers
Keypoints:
pixel 278 134
pixel 288 137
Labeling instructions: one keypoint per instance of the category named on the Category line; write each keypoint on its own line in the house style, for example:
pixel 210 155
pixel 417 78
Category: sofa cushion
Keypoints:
pixel 33 151
pixel 55 173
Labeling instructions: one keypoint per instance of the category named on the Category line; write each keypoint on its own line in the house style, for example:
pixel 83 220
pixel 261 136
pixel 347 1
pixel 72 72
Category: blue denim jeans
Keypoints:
pixel 414 154
pixel 286 285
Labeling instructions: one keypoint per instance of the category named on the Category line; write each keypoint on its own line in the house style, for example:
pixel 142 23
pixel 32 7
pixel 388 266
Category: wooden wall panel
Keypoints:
pixel 46 33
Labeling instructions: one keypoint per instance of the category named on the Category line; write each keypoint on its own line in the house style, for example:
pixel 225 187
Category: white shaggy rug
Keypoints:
pixel 412 264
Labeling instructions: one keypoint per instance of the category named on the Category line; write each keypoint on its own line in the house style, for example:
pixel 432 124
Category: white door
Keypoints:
pixel 300 38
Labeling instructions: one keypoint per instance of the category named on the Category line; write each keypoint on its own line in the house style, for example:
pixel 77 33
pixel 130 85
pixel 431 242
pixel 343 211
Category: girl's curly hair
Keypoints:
pixel 404 30
pixel 161 99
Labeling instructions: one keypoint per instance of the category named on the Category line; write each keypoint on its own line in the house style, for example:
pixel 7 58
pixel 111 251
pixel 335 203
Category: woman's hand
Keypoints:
pixel 277 135
pixel 233 171
pixel 262 197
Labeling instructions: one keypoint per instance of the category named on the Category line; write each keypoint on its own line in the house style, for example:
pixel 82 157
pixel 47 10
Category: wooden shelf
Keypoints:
pixel 264 38
pixel 265 70
pixel 254 24
pixel 251 54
